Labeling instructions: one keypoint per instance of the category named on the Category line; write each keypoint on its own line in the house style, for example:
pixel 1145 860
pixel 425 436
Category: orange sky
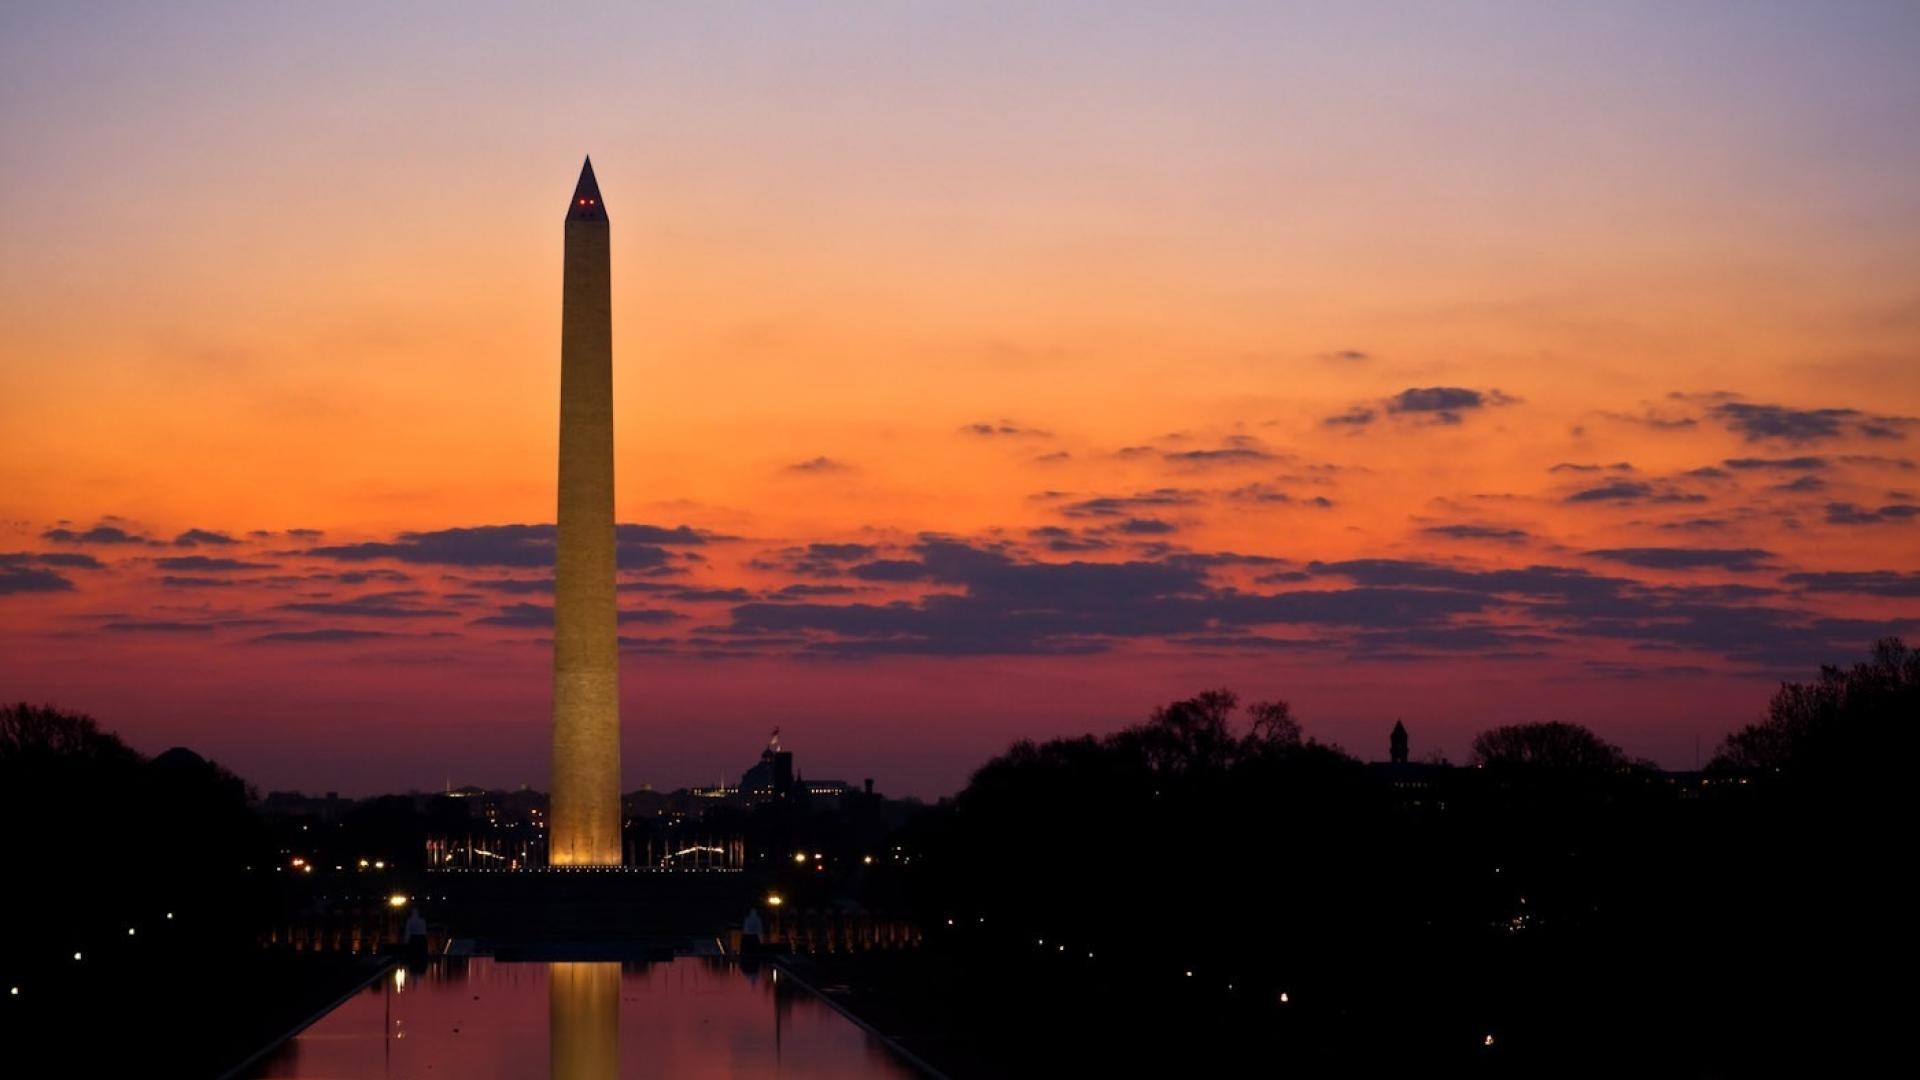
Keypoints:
pixel 265 273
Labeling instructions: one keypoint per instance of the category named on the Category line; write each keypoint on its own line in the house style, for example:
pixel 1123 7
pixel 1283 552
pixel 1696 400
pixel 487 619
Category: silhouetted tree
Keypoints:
pixel 1553 745
pixel 1194 735
pixel 35 735
pixel 1844 720
pixel 1274 727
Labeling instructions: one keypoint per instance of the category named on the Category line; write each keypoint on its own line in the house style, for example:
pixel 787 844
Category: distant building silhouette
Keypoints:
pixel 1397 744
pixel 773 775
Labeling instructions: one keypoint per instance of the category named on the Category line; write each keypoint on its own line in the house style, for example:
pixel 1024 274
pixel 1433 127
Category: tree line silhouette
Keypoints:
pixel 1147 897
pixel 1210 887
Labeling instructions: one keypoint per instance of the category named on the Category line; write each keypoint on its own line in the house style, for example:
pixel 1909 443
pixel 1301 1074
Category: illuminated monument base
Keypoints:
pixel 589 913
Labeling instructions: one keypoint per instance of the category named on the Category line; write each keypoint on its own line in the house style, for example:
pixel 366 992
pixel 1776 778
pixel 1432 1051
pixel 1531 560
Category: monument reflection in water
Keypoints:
pixel 595 1020
pixel 583 1019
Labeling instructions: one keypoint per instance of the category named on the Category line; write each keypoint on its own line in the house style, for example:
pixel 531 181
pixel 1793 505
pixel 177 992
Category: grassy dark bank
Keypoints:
pixel 134 910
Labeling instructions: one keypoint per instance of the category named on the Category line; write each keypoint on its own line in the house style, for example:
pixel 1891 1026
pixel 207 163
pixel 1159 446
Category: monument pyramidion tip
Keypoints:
pixel 586 204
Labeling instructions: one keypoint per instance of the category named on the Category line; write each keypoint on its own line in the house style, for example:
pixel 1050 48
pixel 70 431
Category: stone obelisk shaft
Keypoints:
pixel 583 826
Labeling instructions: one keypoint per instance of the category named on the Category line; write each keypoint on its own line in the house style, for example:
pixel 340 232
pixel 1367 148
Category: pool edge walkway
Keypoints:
pixel 886 1040
pixel 238 1071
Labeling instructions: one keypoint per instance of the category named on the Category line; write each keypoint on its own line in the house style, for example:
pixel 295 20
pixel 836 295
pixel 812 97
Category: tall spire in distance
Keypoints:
pixel 586 204
pixel 583 817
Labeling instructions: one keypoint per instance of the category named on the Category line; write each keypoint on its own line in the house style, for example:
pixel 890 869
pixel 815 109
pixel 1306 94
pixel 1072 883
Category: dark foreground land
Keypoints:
pixel 172 1012
pixel 975 1010
pixel 1555 908
pixel 1192 893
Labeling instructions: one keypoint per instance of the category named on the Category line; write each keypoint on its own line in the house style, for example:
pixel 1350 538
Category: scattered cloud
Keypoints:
pixel 328 636
pixel 196 537
pixel 71 560
pixel 641 547
pixel 1126 505
pixel 1783 423
pixel 1805 483
pixel 1676 558
pixel 1267 493
pixel 821 560
pixel 1633 491
pixel 1883 583
pixel 207 564
pixel 1065 541
pixel 1444 404
pixel 512 585
pixel 1651 419
pixel 1797 464
pixel 1145 527
pixel 1004 428
pixel 819 465
pixel 1878 461
pixel 15 580
pixel 407 604
pixel 1477 532
pixel 99 534
pixel 1229 455
pixel 891 570
pixel 805 591
pixel 1845 513
pixel 1358 416
pixel 1432 404
pixel 182 581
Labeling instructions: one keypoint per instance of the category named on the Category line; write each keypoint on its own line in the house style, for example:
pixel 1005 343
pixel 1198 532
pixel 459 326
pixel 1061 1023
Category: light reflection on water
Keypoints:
pixel 597 1020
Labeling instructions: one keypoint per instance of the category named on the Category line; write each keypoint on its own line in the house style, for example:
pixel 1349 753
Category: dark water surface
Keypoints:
pixel 479 1018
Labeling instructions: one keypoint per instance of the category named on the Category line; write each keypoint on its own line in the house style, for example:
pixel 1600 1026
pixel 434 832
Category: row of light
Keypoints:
pixel 301 864
pixel 1285 998
pixel 79 955
pixel 587 870
pixel 800 858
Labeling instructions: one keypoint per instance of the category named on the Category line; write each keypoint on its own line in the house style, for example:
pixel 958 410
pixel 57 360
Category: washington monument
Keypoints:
pixel 583 827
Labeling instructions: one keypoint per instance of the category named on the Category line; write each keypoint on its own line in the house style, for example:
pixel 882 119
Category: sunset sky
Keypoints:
pixel 982 371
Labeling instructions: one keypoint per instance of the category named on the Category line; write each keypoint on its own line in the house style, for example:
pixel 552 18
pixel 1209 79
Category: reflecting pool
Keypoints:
pixel 595 1020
